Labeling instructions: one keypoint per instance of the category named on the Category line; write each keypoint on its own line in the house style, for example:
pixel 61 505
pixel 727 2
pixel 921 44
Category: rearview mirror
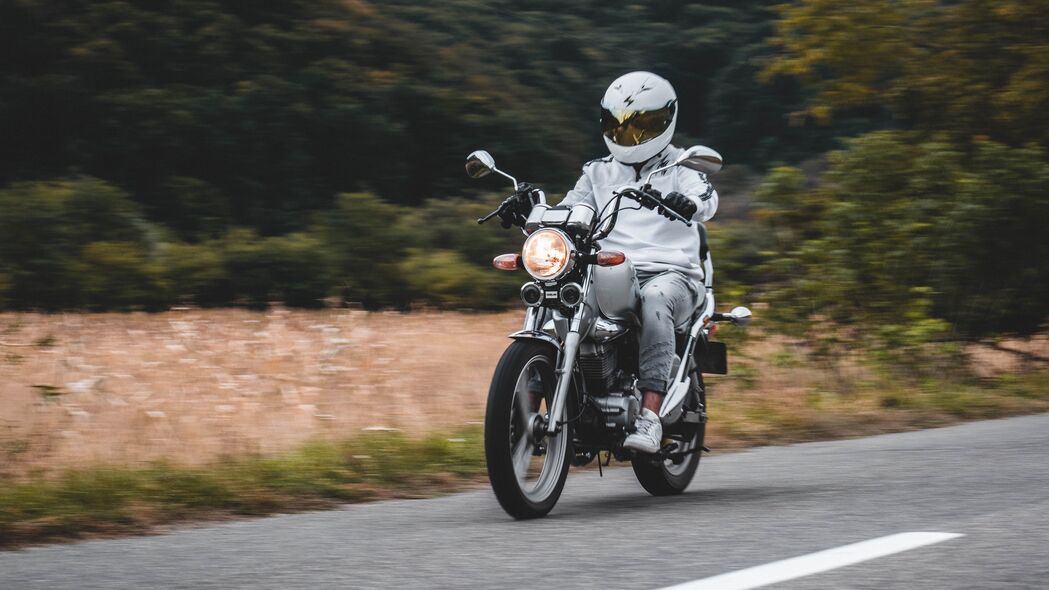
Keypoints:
pixel 479 164
pixel 702 159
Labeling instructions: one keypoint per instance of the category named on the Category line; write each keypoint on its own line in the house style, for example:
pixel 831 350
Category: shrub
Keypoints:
pixel 116 275
pixel 45 226
pixel 196 273
pixel 445 278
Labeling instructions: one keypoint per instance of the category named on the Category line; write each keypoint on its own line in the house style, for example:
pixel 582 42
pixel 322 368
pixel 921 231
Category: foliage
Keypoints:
pixel 115 499
pixel 217 153
pixel 910 238
pixel 366 242
pixel 116 275
pixel 970 67
pixel 446 278
pixel 47 228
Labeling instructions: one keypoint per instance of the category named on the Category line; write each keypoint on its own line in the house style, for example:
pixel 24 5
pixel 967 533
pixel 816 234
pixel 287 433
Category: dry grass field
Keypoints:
pixel 202 385
pixel 198 386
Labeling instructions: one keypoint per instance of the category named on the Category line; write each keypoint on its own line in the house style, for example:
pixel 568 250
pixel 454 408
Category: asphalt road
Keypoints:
pixel 988 481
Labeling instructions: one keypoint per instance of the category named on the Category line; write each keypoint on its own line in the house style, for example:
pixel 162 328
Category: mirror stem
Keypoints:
pixel 512 179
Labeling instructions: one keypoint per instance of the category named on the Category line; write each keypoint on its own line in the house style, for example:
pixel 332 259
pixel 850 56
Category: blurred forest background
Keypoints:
pixel 888 158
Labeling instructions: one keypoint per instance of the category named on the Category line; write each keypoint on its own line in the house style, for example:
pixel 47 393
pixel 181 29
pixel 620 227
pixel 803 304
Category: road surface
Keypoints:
pixel 959 507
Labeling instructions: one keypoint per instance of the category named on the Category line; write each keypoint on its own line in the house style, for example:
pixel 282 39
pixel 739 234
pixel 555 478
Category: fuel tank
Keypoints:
pixel 617 291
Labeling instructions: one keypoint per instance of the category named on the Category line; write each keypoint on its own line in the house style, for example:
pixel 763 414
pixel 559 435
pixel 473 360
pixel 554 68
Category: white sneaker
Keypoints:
pixel 648 436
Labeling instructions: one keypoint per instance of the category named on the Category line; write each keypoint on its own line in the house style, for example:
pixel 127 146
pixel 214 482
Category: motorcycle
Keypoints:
pixel 565 390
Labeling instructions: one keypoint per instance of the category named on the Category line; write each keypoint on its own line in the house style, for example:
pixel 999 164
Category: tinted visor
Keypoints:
pixel 629 128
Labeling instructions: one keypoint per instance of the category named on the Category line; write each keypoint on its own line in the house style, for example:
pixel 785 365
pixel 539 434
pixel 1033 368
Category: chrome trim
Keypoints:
pixel 561 294
pixel 537 288
pixel 535 218
pixel 581 218
pixel 708 272
pixel 531 319
pixel 605 329
pixel 485 159
pixel 568 358
pixel 534 335
pixel 569 265
pixel 550 327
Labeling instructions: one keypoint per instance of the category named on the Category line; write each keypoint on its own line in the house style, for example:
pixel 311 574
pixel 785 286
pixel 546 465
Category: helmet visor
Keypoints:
pixel 629 128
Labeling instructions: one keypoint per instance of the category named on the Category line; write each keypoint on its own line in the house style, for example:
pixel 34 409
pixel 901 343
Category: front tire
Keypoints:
pixel 527 478
pixel 664 478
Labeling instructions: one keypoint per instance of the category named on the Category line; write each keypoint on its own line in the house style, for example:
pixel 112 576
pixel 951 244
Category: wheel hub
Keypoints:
pixel 536 429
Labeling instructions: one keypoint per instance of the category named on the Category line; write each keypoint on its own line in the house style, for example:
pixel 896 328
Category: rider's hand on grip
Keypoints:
pixel 680 204
pixel 515 209
pixel 650 197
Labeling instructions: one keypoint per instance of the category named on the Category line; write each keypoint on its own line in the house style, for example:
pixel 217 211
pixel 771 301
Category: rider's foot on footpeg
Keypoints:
pixel 648 434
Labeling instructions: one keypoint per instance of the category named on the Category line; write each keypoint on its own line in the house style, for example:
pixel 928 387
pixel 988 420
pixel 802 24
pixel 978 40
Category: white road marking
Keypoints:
pixel 814 563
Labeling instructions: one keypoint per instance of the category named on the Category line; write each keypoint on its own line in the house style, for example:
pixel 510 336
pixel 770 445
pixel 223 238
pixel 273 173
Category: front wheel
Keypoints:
pixel 667 478
pixel 526 476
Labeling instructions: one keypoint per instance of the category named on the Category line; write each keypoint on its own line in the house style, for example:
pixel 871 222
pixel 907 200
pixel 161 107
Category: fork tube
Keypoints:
pixel 531 320
pixel 568 357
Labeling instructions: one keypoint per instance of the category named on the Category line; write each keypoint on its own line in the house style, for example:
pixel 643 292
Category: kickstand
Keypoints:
pixel 600 471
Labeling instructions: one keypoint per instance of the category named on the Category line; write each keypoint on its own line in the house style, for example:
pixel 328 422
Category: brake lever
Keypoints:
pixel 489 216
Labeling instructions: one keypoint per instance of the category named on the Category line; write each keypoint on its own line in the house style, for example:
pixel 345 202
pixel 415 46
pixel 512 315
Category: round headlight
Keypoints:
pixel 547 254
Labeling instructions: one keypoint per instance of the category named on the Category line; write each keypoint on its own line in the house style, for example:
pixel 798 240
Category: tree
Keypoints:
pixel 971 67
pixel 906 236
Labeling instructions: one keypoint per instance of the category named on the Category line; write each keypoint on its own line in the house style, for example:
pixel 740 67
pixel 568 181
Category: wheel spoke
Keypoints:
pixel 522 457
pixel 523 412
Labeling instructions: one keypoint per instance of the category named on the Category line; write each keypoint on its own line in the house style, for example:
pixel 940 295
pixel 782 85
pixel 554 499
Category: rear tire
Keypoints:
pixel 664 478
pixel 511 459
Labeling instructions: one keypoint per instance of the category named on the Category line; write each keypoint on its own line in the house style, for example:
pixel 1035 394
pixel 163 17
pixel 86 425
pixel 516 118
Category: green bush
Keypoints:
pixel 366 239
pixel 46 226
pixel 117 275
pixel 919 239
pixel 292 269
pixel 445 278
pixel 298 269
pixel 196 273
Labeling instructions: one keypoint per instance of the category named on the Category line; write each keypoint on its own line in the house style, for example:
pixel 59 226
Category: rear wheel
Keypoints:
pixel 527 476
pixel 667 478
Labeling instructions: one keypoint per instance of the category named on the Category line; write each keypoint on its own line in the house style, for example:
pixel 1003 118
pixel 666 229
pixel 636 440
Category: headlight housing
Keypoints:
pixel 548 254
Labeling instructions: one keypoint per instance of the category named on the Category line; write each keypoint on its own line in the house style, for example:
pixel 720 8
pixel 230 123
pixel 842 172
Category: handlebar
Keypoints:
pixel 630 193
pixel 643 196
pixel 497 211
pixel 502 206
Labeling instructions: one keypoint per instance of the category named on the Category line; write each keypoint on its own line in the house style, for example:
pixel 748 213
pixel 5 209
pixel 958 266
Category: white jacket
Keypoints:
pixel 652 242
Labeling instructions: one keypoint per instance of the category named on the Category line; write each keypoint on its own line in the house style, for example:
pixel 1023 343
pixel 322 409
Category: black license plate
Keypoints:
pixel 712 358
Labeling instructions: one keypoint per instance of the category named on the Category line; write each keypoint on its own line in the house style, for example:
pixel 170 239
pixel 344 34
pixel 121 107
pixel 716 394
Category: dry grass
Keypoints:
pixel 196 386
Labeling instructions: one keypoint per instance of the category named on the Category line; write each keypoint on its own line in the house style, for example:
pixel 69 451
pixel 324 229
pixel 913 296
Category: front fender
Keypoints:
pixel 537 335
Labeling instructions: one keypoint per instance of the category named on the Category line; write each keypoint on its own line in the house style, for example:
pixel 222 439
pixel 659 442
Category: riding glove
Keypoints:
pixel 674 201
pixel 680 204
pixel 516 207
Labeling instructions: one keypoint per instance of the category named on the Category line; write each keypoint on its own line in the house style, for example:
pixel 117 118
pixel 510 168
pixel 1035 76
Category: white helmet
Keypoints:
pixel 638 115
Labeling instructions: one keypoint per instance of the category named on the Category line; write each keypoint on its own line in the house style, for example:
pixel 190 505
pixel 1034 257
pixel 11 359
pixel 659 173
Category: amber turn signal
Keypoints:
pixel 507 261
pixel 610 258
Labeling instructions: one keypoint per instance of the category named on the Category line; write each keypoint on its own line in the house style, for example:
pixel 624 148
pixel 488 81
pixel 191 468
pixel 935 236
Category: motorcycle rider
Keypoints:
pixel 638 117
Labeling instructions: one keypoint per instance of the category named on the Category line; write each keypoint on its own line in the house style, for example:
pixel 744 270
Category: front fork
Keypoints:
pixel 568 358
